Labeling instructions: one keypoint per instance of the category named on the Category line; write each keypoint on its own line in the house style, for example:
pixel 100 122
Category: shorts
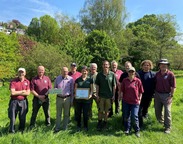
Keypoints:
pixel 104 104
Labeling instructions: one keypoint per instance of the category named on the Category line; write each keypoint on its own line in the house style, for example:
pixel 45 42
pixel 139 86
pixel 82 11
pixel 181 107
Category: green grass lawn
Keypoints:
pixel 152 132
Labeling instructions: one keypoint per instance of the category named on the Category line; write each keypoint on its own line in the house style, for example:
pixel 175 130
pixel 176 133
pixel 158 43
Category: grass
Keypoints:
pixel 151 134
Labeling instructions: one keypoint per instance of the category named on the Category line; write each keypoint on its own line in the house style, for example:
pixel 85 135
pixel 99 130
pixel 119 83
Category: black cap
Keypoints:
pixel 73 64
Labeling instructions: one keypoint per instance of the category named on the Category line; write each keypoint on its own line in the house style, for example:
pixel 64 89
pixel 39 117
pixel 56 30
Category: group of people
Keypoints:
pixel 135 89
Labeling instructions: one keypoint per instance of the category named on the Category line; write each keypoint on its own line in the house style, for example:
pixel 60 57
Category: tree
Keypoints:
pixel 153 36
pixel 47 55
pixel 105 15
pixel 101 47
pixel 72 40
pixel 9 55
pixel 45 29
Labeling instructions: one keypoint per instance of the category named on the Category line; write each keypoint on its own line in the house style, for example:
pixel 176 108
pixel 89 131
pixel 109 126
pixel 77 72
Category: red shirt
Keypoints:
pixel 75 75
pixel 41 86
pixel 131 90
pixel 118 73
pixel 165 82
pixel 19 86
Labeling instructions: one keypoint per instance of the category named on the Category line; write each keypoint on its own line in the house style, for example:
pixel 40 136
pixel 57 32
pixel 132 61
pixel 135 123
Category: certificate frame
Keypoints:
pixel 82 93
pixel 55 91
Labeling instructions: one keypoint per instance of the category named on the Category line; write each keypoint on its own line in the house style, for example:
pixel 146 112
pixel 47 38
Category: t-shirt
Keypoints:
pixel 106 84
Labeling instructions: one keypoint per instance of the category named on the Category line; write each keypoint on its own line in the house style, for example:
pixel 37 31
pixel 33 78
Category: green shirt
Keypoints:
pixel 106 84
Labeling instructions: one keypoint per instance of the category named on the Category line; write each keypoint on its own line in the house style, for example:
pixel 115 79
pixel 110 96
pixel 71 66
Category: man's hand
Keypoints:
pixel 42 98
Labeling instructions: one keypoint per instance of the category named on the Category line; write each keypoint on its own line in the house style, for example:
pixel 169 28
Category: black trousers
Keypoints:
pixel 20 108
pixel 82 108
pixel 36 104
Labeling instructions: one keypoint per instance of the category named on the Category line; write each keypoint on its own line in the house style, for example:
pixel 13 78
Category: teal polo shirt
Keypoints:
pixel 106 84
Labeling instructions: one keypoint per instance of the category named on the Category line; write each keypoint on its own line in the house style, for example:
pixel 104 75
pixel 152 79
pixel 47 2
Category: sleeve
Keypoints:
pixel 12 85
pixel 50 84
pixel 28 86
pixel 141 89
pixel 173 81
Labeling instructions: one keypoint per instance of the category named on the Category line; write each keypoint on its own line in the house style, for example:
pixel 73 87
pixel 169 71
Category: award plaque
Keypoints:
pixel 82 93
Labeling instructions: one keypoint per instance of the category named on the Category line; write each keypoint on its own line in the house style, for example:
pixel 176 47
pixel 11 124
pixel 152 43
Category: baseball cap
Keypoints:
pixel 163 61
pixel 131 69
pixel 21 69
pixel 73 64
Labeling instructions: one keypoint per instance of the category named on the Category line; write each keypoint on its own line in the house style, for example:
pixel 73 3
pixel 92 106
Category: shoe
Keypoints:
pixel 56 131
pixel 126 132
pixel 137 134
pixel 167 131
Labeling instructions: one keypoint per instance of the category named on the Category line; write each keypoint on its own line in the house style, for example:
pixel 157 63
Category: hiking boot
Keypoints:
pixel 167 131
pixel 137 134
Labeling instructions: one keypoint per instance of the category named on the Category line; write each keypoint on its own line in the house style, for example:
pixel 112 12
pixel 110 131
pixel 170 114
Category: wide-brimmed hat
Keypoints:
pixel 163 61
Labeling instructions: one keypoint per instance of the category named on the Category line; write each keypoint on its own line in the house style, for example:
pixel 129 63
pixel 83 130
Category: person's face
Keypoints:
pixel 21 74
pixel 105 65
pixel 64 72
pixel 127 66
pixel 146 67
pixel 163 67
pixel 114 66
pixel 84 72
pixel 40 71
pixel 73 68
pixel 131 73
pixel 93 69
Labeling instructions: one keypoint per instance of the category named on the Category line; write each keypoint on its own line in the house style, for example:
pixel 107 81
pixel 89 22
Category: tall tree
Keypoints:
pixel 102 47
pixel 105 15
pixel 153 36
pixel 45 29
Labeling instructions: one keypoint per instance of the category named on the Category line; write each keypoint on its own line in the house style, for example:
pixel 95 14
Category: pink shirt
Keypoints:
pixel 18 86
pixel 165 82
pixel 75 75
pixel 41 86
pixel 131 90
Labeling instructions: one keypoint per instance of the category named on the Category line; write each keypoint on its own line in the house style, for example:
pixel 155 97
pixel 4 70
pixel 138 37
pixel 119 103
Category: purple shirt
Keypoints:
pixel 75 75
pixel 131 90
pixel 41 86
pixel 66 84
pixel 165 82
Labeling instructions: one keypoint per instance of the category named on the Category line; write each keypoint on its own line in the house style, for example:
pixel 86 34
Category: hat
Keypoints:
pixel 131 69
pixel 21 69
pixel 163 61
pixel 73 64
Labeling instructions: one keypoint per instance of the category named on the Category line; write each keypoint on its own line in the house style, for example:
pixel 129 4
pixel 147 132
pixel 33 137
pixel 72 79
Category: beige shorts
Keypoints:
pixel 104 105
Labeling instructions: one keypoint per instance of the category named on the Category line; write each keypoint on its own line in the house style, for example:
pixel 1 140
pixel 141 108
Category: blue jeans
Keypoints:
pixel 130 113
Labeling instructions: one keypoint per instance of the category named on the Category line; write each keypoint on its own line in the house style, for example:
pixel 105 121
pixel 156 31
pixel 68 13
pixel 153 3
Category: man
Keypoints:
pixel 74 74
pixel 105 92
pixel 93 75
pixel 164 91
pixel 39 88
pixel 64 100
pixel 118 73
pixel 20 89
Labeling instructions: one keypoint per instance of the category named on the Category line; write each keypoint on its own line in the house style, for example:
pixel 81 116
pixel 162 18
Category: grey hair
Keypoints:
pixel 114 62
pixel 93 64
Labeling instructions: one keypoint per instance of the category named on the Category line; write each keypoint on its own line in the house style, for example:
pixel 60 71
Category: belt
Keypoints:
pixel 65 96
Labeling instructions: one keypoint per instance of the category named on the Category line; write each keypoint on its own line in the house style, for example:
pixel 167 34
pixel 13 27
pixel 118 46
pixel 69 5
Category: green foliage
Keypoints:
pixel 102 47
pixel 104 15
pixel 72 40
pixel 9 55
pixel 154 35
pixel 45 29
pixel 47 55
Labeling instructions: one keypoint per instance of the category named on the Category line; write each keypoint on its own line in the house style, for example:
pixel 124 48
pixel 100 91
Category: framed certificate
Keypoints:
pixel 82 93
pixel 55 91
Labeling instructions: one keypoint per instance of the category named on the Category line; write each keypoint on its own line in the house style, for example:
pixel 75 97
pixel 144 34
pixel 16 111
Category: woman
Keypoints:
pixel 148 82
pixel 131 93
pixel 83 104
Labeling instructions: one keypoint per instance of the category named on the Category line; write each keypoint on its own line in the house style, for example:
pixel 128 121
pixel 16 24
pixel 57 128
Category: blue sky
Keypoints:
pixel 25 10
